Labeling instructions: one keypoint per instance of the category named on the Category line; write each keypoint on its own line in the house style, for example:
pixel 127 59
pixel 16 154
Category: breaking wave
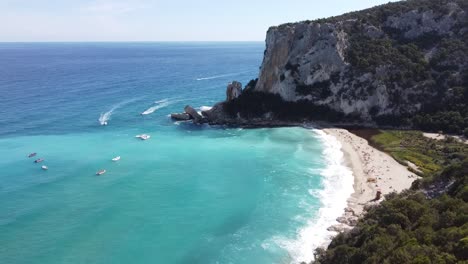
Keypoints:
pixel 337 180
pixel 205 108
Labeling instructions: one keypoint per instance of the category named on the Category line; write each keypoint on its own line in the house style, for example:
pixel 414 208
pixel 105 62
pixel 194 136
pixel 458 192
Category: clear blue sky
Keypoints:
pixel 156 20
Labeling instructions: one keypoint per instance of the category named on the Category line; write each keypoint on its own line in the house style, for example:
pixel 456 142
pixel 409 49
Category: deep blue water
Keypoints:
pixel 189 194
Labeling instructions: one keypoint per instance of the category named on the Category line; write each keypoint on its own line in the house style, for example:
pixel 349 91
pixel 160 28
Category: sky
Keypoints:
pixel 157 20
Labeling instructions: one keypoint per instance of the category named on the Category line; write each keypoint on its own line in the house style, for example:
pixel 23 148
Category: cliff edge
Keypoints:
pixel 401 64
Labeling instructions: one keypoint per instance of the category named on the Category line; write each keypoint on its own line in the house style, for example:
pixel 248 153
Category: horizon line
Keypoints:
pixel 129 41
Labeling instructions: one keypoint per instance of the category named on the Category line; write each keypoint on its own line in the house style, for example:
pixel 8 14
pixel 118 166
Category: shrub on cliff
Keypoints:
pixel 432 65
pixel 251 104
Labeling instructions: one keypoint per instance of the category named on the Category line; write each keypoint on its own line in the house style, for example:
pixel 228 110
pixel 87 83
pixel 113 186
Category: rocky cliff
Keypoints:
pixel 403 63
pixel 314 60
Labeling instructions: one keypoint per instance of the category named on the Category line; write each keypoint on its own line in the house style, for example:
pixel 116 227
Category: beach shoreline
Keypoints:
pixel 373 171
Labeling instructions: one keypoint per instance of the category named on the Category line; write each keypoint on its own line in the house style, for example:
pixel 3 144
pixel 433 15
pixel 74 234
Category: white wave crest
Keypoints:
pixel 105 117
pixel 337 181
pixel 165 100
pixel 220 76
pixel 205 108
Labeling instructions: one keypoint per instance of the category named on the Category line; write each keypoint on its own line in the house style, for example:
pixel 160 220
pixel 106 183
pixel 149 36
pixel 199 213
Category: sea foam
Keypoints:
pixel 159 104
pixel 337 181
pixel 104 117
pixel 220 76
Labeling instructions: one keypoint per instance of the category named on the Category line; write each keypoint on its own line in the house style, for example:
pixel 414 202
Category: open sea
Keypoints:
pixel 189 194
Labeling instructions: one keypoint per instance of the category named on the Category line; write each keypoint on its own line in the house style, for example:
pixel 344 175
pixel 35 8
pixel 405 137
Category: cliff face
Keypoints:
pixel 392 60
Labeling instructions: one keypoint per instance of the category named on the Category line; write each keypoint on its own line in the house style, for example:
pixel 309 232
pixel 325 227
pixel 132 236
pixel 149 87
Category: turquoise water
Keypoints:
pixel 189 194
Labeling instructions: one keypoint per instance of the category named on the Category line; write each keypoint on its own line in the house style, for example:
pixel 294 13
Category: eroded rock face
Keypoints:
pixel 233 90
pixel 300 54
pixel 415 24
pixel 197 118
pixel 312 61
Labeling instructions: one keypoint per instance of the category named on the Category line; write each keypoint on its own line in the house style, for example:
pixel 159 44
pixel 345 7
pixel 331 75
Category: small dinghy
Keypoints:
pixel 143 136
pixel 32 155
pixel 116 158
pixel 44 167
pixel 101 172
pixel 38 160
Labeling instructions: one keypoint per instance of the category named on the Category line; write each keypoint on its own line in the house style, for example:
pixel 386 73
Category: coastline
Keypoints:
pixel 352 161
pixel 373 171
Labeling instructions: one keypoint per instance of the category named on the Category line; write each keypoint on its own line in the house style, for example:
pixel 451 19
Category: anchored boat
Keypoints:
pixel 143 136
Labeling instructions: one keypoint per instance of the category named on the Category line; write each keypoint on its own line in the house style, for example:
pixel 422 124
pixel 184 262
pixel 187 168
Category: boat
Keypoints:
pixel 143 136
pixel 32 155
pixel 116 158
pixel 44 167
pixel 101 172
pixel 38 160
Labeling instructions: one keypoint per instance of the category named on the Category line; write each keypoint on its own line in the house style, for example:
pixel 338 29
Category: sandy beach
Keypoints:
pixel 373 171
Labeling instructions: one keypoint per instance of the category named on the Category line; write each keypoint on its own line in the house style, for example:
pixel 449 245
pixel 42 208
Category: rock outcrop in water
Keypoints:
pixel 400 64
pixel 181 116
pixel 233 90
pixel 197 118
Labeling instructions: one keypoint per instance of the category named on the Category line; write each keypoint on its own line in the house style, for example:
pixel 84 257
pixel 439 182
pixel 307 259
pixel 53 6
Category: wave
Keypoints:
pixel 337 181
pixel 105 117
pixel 160 104
pixel 220 76
pixel 205 108
pixel 165 100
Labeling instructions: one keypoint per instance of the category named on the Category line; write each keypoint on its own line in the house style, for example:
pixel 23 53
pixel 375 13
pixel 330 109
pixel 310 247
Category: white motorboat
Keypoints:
pixel 101 172
pixel 116 158
pixel 44 167
pixel 143 136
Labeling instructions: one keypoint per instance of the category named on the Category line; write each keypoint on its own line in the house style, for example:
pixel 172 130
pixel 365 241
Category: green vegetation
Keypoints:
pixel 428 224
pixel 378 14
pixel 439 81
pixel 252 104
pixel 318 89
pixel 429 155
pixel 405 61
pixel 440 84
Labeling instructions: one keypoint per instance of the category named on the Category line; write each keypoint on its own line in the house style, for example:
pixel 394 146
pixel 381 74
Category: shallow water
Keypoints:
pixel 189 194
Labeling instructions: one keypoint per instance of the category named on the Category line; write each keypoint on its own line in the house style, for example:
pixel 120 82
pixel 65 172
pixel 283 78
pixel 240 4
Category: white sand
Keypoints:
pixel 367 163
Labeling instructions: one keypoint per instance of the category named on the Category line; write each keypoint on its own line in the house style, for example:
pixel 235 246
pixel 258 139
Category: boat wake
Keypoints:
pixel 159 104
pixel 220 76
pixel 105 117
